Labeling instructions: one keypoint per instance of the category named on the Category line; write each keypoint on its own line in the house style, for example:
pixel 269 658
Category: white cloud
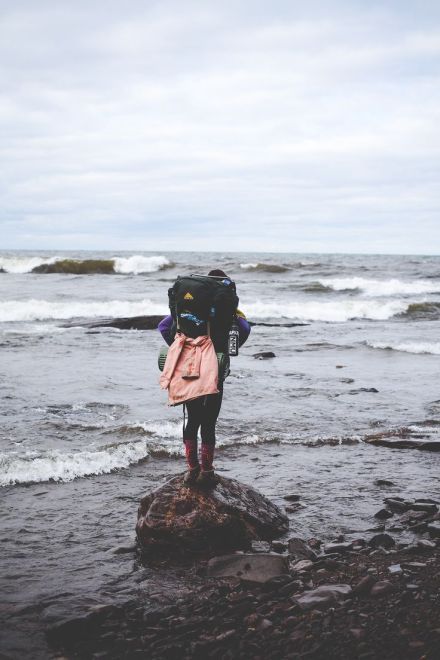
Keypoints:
pixel 158 123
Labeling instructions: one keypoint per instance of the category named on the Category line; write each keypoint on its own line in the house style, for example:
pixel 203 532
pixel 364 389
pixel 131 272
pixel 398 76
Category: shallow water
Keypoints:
pixel 86 430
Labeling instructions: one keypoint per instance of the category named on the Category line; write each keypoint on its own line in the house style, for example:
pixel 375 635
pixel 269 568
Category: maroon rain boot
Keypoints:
pixel 207 476
pixel 192 461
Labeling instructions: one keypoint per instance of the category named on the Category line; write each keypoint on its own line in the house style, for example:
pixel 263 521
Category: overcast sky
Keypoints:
pixel 204 125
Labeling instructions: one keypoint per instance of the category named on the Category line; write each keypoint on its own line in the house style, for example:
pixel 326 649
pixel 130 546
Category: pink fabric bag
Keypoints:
pixel 190 370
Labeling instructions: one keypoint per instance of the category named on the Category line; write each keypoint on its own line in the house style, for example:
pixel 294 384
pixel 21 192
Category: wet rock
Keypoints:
pixel 414 564
pixel 279 546
pixel 384 482
pixel 315 544
pixel 299 549
pixel 260 546
pixel 424 506
pixel 426 544
pixel 397 505
pixel 130 323
pixel 412 517
pixel 302 565
pixel 382 540
pixel 252 568
pixel 264 355
pixel 381 588
pixel 323 597
pixel 123 549
pixel 364 585
pixel 383 514
pixel 292 498
pixel 434 529
pixel 345 546
pixel 227 517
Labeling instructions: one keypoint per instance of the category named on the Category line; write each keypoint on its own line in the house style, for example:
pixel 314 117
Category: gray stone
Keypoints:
pixel 382 588
pixel 396 504
pixel 382 514
pixel 264 355
pixel 426 544
pixel 395 569
pixel 303 565
pixel 364 585
pixel 424 506
pixel 251 568
pixel 260 546
pixel 329 548
pixel 299 549
pixel 381 540
pixel 323 597
pixel 412 516
pixel 434 529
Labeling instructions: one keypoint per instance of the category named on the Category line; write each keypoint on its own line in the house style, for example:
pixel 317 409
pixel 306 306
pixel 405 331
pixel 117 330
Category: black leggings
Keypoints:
pixel 203 413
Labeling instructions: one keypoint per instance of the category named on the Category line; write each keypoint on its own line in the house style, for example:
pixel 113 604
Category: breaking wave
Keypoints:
pixel 134 265
pixel 422 347
pixel 21 265
pixel 389 287
pixel 43 310
pixel 334 311
pixel 61 466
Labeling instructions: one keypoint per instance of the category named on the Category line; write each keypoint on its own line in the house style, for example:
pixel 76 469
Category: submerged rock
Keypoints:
pixel 129 323
pixel 382 541
pixel 264 355
pixel 228 517
pixel 248 567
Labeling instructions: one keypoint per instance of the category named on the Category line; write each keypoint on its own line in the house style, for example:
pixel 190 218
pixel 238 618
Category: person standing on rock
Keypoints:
pixel 204 317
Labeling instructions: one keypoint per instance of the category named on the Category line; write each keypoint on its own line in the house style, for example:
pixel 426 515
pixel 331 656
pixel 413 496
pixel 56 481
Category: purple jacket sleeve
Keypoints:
pixel 244 330
pixel 166 329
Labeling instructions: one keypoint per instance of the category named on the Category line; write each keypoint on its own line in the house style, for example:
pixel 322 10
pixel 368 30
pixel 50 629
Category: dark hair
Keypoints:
pixel 217 273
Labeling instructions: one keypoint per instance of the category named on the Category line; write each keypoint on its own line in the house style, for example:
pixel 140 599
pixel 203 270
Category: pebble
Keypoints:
pixel 382 514
pixel 381 588
pixel 395 569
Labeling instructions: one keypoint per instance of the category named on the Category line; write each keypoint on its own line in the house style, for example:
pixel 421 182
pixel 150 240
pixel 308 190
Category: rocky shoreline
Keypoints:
pixel 368 598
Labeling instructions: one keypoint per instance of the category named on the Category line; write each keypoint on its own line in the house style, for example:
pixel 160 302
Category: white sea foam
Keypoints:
pixel 336 310
pixel 417 347
pixel 65 466
pixel 20 265
pixel 138 264
pixel 391 287
pixel 43 310
pixel 250 266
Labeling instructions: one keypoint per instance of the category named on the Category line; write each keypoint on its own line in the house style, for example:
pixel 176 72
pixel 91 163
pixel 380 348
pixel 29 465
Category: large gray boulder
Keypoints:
pixel 227 517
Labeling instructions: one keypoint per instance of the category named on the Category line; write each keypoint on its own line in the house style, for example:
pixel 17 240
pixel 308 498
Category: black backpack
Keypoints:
pixel 204 304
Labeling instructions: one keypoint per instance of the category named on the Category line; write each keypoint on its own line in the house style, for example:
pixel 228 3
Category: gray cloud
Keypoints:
pixel 169 125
